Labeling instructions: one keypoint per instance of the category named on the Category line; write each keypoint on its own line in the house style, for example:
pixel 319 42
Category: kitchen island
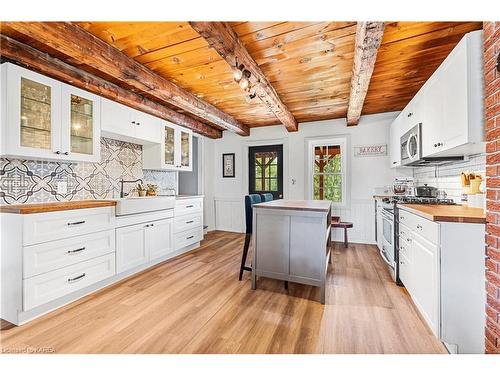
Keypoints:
pixel 292 241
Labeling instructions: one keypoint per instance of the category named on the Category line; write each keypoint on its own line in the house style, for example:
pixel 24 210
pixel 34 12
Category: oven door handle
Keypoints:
pixel 388 217
pixel 382 254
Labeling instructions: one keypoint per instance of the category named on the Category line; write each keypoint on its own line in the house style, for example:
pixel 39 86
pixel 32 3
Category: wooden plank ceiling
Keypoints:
pixel 309 64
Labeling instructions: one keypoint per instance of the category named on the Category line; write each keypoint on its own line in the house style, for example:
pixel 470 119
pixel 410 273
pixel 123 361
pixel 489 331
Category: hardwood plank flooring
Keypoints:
pixel 195 304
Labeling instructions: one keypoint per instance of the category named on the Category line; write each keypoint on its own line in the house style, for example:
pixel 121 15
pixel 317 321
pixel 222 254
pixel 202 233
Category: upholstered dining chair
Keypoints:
pixel 250 200
pixel 267 197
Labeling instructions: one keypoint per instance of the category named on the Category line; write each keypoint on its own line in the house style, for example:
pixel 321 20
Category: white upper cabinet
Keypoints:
pixel 175 152
pixel 80 119
pixel 127 124
pixel 453 123
pixel 394 142
pixel 449 105
pixel 45 119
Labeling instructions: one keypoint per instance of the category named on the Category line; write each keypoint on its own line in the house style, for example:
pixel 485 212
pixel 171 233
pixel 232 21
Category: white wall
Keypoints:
pixel 366 172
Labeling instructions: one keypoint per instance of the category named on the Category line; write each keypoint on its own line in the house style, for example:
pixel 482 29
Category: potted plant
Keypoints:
pixel 152 189
pixel 141 190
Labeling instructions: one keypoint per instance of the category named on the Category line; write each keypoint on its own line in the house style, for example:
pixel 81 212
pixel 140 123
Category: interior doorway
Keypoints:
pixel 190 182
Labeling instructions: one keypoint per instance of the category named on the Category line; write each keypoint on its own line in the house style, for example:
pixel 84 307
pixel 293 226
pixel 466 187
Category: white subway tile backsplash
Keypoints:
pixel 447 177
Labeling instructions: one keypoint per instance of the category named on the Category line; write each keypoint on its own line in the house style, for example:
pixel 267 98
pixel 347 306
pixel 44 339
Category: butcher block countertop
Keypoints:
pixel 281 204
pixel 36 208
pixel 448 213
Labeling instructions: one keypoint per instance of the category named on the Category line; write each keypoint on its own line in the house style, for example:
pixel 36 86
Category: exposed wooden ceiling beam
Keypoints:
pixel 88 50
pixel 55 68
pixel 368 39
pixel 224 40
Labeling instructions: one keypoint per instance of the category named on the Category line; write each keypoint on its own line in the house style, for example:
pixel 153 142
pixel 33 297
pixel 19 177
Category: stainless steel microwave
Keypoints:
pixel 411 150
pixel 411 145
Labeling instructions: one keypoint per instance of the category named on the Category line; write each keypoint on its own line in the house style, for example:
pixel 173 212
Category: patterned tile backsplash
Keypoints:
pixel 33 181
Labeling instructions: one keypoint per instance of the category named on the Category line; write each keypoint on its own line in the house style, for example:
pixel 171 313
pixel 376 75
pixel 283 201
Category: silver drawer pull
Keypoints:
pixel 77 222
pixel 71 280
pixel 408 240
pixel 419 226
pixel 190 206
pixel 76 250
pixel 190 221
pixel 188 238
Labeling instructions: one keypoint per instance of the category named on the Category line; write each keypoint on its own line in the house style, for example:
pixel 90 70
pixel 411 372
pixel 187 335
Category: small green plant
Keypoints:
pixel 152 189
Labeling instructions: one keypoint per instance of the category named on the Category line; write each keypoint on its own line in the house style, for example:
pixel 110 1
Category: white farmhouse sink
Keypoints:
pixel 137 205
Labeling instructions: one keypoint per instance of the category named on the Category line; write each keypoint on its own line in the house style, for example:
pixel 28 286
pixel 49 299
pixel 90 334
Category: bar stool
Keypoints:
pixel 250 200
pixel 336 223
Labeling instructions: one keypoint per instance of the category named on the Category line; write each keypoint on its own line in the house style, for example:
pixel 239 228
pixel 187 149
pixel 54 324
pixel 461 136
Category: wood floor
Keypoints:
pixel 195 304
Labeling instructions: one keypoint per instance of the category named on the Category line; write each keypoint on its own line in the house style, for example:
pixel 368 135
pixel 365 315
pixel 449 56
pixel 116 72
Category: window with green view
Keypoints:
pixel 327 173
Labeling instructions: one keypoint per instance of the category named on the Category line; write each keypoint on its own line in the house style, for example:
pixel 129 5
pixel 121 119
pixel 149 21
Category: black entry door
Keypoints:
pixel 266 170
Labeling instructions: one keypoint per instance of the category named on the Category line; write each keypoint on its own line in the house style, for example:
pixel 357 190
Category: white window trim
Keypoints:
pixel 342 141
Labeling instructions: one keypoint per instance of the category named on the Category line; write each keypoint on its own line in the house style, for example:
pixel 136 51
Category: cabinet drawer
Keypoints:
pixel 52 255
pixel 404 271
pixel 405 249
pixel 51 226
pixel 427 229
pixel 186 222
pixel 55 284
pixel 188 237
pixel 187 206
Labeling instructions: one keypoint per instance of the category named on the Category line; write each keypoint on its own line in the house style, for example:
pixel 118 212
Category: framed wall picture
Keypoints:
pixel 228 165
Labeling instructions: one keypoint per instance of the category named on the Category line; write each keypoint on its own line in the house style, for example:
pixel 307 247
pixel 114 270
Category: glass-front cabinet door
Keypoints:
pixel 32 114
pixel 169 153
pixel 185 150
pixel 43 118
pixel 81 125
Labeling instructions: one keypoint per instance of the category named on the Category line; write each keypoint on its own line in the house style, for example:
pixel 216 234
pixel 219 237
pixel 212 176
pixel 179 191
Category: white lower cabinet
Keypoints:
pixel 419 264
pixel 159 239
pixel 441 264
pixel 53 258
pixel 188 226
pixel 49 286
pixel 425 282
pixel 141 243
pixel 49 256
pixel 130 247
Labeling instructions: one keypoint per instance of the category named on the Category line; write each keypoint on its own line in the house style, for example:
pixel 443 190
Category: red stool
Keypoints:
pixel 336 223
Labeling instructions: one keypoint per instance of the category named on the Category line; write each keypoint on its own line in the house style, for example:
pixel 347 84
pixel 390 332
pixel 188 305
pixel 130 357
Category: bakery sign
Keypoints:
pixel 372 150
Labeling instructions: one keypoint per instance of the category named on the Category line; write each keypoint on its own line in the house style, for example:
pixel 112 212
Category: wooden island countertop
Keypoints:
pixel 36 208
pixel 305 205
pixel 447 213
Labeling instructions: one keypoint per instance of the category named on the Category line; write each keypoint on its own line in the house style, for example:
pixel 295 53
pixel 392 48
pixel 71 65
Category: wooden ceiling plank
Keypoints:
pixel 55 68
pixel 224 40
pixel 368 39
pixel 77 43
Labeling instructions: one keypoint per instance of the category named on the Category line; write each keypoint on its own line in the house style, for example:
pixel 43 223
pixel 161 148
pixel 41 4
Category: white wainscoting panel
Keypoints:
pixel 361 212
pixel 229 215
